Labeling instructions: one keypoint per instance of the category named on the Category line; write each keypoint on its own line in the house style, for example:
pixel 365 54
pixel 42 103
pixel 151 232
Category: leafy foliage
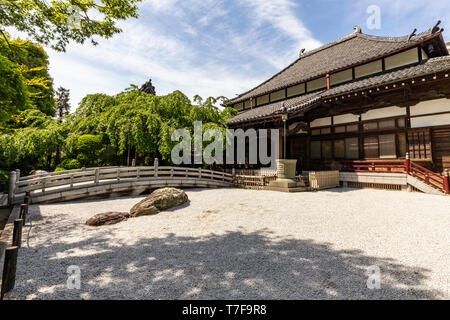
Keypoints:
pixel 58 22
pixel 14 95
pixel 108 130
pixel 24 82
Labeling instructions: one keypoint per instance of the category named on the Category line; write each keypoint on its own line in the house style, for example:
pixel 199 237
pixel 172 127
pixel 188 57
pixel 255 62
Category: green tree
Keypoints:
pixel 58 22
pixel 14 95
pixel 25 81
pixel 62 102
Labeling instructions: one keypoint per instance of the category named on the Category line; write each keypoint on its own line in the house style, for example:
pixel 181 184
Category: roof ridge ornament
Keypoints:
pixel 412 34
pixel 357 29
pixel 302 52
pixel 436 27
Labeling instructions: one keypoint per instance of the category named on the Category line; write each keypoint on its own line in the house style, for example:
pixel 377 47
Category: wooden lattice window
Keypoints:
pixel 419 141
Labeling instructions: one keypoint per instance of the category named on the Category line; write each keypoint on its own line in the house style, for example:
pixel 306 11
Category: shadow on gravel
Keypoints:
pixel 235 265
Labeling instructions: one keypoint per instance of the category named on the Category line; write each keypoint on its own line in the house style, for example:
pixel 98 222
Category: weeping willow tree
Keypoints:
pixel 108 130
pixel 138 125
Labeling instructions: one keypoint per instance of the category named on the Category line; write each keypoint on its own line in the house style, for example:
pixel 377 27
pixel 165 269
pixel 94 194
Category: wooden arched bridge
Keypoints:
pixel 110 181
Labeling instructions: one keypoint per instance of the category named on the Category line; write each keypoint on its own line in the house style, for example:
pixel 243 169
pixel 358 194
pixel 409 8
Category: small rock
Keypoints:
pixel 158 200
pixel 107 218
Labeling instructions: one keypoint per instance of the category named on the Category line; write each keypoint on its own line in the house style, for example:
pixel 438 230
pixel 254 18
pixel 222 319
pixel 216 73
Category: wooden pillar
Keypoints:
pixel 9 270
pixel 97 175
pixel 27 198
pixel 155 165
pixel 407 164
pixel 17 233
pixel 446 182
pixel 23 212
pixel 12 187
pixel 280 147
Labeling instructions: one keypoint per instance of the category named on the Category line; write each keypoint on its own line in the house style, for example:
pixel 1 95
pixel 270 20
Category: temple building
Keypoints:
pixel 362 97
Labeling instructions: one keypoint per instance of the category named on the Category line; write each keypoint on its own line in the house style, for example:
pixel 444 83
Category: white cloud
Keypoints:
pixel 281 15
pixel 194 46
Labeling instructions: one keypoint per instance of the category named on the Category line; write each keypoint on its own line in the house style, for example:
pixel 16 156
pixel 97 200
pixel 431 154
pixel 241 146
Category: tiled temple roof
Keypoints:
pixel 302 103
pixel 350 50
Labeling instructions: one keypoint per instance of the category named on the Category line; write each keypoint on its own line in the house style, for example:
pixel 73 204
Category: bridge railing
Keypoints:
pixel 67 180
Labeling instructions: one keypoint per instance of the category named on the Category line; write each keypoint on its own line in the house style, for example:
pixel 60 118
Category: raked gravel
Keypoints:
pixel 243 244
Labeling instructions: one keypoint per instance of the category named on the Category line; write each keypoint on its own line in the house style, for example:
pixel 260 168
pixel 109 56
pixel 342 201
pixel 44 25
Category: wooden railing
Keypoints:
pixel 85 178
pixel 401 166
pixel 395 166
pixel 429 177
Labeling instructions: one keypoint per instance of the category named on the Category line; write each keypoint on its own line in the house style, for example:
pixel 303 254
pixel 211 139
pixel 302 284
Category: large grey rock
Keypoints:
pixel 107 218
pixel 160 199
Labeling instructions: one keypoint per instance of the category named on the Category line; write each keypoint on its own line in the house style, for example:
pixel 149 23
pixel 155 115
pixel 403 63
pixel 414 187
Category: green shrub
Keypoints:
pixel 68 164
pixel 89 148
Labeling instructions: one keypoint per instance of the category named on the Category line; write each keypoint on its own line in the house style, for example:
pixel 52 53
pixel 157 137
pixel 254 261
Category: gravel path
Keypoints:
pixel 243 244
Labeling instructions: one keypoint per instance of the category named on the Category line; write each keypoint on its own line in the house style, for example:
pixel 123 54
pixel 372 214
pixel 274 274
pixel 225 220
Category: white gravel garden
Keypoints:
pixel 242 244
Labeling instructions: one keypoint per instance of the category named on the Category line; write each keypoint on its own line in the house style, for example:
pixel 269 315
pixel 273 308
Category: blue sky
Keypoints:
pixel 214 47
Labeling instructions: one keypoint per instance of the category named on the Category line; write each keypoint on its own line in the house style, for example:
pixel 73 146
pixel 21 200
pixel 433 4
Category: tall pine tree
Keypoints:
pixel 62 102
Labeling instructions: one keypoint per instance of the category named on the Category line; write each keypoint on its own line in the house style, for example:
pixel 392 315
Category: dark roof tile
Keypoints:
pixel 307 101
pixel 353 49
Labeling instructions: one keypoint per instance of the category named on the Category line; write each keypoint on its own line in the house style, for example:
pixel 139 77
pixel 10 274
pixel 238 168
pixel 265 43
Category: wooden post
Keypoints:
pixel 97 175
pixel 28 197
pixel 200 173
pixel 44 182
pixel 155 165
pixel 23 212
pixel 12 187
pixel 71 180
pixel 118 175
pixel 446 182
pixel 9 270
pixel 138 173
pixel 17 233
pixel 407 164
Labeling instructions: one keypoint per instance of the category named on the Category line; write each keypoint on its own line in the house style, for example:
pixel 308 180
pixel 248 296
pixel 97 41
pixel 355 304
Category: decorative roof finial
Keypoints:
pixel 436 27
pixel 412 34
pixel 301 52
pixel 357 29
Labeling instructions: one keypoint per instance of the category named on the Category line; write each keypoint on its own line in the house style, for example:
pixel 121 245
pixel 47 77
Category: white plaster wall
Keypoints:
pixel 429 121
pixel 345 118
pixel 321 122
pixel 431 106
pixel 383 113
